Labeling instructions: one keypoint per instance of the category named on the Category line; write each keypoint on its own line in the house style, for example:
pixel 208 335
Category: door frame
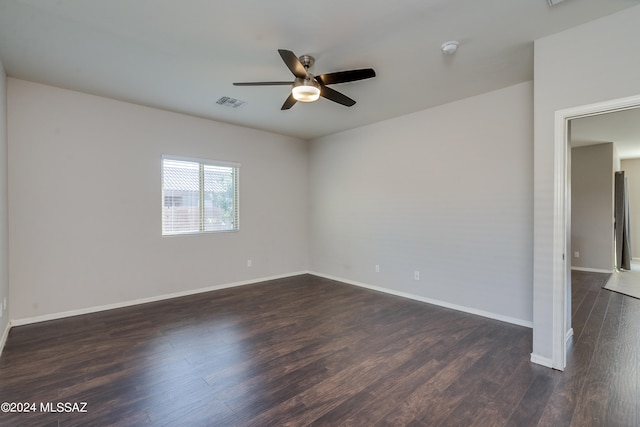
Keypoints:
pixel 562 219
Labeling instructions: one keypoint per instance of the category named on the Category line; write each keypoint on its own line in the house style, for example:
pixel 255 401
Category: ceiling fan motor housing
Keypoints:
pixel 307 60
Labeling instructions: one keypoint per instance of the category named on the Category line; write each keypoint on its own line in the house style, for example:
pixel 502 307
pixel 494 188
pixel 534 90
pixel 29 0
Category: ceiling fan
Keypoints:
pixel 308 88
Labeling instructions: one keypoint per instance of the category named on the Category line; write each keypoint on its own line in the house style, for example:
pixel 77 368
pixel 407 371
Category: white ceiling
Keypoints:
pixel 182 55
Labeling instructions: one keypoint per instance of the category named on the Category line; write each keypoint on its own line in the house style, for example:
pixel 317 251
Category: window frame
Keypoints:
pixel 202 163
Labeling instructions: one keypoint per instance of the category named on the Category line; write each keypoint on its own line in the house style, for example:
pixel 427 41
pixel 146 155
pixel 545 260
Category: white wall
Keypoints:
pixel 85 202
pixel 446 191
pixel 591 63
pixel 631 168
pixel 592 171
pixel 4 232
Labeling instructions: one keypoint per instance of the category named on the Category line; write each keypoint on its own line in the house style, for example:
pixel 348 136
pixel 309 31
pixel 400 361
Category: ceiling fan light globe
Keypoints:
pixel 305 93
pixel 306 90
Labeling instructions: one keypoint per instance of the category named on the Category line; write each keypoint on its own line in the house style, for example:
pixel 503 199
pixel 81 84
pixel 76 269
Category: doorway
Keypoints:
pixel 562 330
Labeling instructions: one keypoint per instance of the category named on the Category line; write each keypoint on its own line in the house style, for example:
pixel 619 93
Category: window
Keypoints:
pixel 199 196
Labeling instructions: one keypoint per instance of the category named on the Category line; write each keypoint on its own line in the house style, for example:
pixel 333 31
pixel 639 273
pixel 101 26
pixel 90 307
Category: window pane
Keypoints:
pixel 219 198
pixel 181 197
pixel 199 196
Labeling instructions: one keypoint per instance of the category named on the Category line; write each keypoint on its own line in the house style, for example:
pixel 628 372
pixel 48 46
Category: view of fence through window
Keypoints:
pixel 198 196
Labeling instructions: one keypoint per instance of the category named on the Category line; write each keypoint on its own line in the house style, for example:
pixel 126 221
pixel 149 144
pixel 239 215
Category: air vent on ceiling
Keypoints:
pixel 230 102
pixel 554 2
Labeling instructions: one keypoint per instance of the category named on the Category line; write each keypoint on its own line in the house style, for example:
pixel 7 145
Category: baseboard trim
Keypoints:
pixel 568 335
pixel 547 362
pixel 95 309
pixel 464 309
pixel 88 310
pixel 5 335
pixel 539 360
pixel 592 270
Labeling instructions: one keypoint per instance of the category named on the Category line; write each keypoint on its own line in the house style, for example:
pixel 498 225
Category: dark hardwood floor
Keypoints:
pixel 310 351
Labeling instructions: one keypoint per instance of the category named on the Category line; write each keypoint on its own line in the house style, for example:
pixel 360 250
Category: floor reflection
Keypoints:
pixel 193 375
pixel 626 282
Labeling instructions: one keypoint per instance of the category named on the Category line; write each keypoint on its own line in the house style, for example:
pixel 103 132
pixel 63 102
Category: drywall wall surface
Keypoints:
pixel 572 68
pixel 446 192
pixel 85 202
pixel 631 168
pixel 592 169
pixel 4 224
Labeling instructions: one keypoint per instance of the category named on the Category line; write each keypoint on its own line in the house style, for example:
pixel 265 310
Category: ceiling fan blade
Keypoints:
pixel 335 96
pixel 263 83
pixel 289 102
pixel 346 76
pixel 293 63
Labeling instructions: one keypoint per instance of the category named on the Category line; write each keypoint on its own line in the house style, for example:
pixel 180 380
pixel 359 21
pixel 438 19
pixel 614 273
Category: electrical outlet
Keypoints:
pixel 416 275
pixel 249 263
pixel 377 268
pixel 576 254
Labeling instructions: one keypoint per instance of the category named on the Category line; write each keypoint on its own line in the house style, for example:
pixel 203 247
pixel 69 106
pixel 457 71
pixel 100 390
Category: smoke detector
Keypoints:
pixel 450 47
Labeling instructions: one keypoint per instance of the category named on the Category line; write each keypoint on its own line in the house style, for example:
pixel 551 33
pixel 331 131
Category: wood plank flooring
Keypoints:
pixel 310 351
